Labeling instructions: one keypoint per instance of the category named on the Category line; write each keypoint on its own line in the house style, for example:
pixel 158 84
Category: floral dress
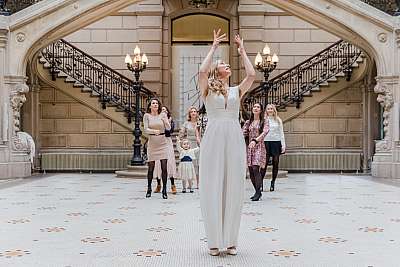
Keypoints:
pixel 256 156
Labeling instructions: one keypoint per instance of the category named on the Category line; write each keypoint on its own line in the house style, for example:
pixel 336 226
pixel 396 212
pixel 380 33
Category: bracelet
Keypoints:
pixel 254 140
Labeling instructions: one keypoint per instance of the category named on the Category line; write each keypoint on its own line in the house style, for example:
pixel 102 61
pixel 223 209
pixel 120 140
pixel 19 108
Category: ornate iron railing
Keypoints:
pixel 290 87
pixel 391 7
pixel 112 87
pixel 8 7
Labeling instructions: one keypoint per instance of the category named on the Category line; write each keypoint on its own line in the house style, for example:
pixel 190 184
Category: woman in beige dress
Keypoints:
pixel 155 124
pixel 191 132
pixel 171 169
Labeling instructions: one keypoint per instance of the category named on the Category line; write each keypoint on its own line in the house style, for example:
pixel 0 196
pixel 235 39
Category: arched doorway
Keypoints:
pixel 191 39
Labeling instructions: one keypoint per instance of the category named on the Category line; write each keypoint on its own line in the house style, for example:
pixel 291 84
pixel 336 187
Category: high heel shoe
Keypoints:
pixel 148 194
pixel 164 194
pixel 272 188
pixel 253 196
pixel 257 196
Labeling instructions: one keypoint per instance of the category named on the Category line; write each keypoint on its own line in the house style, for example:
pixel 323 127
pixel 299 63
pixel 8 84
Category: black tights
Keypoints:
pixel 150 173
pixel 171 178
pixel 275 167
pixel 255 177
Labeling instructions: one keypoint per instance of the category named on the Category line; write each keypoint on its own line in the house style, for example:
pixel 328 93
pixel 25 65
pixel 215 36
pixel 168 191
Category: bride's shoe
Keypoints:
pixel 214 252
pixel 232 251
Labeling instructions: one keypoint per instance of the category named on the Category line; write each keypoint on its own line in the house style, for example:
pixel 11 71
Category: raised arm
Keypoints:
pixel 248 66
pixel 206 65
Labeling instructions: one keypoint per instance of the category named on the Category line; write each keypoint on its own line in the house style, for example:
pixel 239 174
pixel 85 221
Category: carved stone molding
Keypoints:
pixel 385 99
pixel 397 32
pixel 3 38
pixel 382 37
pixel 383 146
pixel 17 100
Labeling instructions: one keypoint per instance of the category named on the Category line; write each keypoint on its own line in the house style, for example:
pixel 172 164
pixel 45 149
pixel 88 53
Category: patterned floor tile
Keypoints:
pixel 82 220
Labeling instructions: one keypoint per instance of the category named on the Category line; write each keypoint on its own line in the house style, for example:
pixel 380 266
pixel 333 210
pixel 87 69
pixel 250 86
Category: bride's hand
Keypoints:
pixel 239 43
pixel 218 38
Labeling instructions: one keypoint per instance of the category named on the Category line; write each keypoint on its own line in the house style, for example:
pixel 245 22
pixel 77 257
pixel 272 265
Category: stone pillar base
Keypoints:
pixel 15 170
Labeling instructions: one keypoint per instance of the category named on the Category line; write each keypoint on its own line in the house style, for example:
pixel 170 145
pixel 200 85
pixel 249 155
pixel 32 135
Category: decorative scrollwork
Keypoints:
pixel 385 99
pixel 291 86
pixel 112 87
pixel 391 7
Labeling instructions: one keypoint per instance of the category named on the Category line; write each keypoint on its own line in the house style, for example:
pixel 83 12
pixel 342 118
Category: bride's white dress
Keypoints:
pixel 222 170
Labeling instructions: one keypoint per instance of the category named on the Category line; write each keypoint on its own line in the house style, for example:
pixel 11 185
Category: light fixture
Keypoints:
pixel 266 63
pixel 201 3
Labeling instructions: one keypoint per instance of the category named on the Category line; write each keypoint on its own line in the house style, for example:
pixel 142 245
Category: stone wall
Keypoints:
pixel 291 38
pixel 337 123
pixel 65 123
pixel 111 38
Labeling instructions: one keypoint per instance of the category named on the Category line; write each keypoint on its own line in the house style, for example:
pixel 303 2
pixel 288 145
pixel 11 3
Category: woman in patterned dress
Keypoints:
pixel 191 132
pixel 255 129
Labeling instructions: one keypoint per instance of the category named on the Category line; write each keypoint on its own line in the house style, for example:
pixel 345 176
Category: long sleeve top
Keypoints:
pixel 154 124
pixel 251 130
pixel 275 131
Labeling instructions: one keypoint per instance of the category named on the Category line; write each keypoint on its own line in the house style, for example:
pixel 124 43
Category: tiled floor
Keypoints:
pixel 99 220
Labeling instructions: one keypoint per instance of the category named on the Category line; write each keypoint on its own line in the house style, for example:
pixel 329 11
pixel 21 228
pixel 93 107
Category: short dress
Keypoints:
pixel 188 131
pixel 256 156
pixel 171 164
pixel 157 146
pixel 186 169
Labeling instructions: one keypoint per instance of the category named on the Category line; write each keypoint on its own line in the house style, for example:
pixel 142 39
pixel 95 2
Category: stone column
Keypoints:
pixel 14 159
pixel 3 103
pixel 386 150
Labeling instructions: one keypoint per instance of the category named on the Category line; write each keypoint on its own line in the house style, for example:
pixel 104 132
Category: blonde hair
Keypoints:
pixel 183 141
pixel 189 117
pixel 214 83
pixel 275 115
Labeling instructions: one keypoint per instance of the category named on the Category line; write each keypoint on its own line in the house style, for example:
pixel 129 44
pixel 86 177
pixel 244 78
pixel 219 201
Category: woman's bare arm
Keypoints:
pixel 205 66
pixel 248 66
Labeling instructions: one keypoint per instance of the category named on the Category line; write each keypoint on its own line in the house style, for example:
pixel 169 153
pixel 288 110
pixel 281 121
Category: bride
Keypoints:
pixel 223 150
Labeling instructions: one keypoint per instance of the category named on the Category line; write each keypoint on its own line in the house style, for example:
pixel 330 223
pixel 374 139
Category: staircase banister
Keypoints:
pixel 307 60
pixel 143 89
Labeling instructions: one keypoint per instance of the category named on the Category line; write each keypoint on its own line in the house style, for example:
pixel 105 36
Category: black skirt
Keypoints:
pixel 274 148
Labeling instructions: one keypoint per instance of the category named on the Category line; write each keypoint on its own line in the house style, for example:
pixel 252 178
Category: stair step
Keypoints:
pixel 47 65
pixel 70 80
pixel 340 74
pixel 332 79
pixel 355 65
pixel 95 94
pixel 324 84
pixel 86 89
pixel 78 85
pixel 316 89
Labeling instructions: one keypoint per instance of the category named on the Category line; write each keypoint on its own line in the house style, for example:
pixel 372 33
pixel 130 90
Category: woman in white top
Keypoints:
pixel 222 150
pixel 274 142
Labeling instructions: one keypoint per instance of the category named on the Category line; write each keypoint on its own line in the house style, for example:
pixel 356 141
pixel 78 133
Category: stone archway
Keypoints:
pixel 26 32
